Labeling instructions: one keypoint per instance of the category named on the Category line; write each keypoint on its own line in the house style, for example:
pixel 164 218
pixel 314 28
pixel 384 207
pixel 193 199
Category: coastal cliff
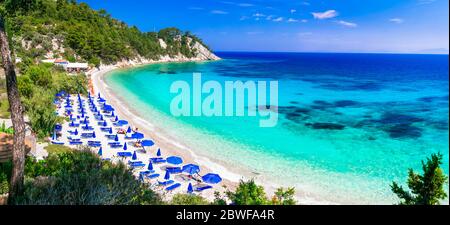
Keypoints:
pixel 47 29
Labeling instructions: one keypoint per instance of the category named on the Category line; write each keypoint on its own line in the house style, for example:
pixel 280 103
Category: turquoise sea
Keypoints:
pixel 349 124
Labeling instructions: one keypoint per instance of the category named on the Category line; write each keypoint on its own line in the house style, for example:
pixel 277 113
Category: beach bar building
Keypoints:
pixel 76 67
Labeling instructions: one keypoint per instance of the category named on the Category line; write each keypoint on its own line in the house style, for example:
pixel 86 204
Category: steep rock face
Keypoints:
pixel 202 53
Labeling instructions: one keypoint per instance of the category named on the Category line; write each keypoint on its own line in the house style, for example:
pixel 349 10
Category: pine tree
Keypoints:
pixel 426 189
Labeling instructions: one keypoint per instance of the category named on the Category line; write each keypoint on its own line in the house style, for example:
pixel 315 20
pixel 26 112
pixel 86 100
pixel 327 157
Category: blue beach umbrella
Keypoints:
pixel 99 95
pixel 134 157
pixel 125 147
pixel 211 178
pixel 191 168
pixel 100 151
pixel 86 126
pixel 104 123
pixel 167 175
pixel 137 135
pixel 76 131
pixel 85 120
pixel 101 117
pixel 116 119
pixel 110 130
pixel 190 189
pixel 129 129
pixel 150 166
pixel 72 123
pixel 112 114
pixel 70 117
pixel 147 143
pixel 116 138
pixel 93 134
pixel 175 160
pixel 158 153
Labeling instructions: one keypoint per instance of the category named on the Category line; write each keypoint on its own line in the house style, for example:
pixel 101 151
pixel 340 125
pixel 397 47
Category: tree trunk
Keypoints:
pixel 16 183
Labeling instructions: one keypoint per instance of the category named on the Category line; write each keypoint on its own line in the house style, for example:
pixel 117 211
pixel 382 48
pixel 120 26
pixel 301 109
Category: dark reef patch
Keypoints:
pixel 397 118
pixel 404 131
pixel 345 103
pixel 326 126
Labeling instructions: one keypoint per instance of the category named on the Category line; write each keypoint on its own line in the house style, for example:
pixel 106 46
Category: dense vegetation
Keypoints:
pixel 427 189
pixel 38 86
pixel 79 176
pixel 86 34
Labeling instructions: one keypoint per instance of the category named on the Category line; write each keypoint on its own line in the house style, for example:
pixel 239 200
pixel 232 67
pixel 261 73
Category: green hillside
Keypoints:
pixel 85 34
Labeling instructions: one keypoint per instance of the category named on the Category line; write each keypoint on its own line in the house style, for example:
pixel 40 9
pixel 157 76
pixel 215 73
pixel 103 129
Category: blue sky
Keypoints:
pixel 404 26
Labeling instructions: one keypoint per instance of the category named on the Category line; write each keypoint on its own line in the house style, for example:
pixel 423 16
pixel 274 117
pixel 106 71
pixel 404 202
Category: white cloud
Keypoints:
pixel 291 20
pixel 347 24
pixel 396 20
pixel 219 12
pixel 259 15
pixel 269 17
pixel 245 5
pixel 293 10
pixel 325 15
pixel 304 21
pixel 279 19
pixel 305 3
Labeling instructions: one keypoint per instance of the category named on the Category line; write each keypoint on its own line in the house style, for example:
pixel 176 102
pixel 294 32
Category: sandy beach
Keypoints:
pixel 169 145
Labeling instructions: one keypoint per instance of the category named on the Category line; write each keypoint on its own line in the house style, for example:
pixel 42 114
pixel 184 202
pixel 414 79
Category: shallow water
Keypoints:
pixel 349 124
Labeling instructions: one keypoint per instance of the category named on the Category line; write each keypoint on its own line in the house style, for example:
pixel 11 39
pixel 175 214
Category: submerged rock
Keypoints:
pixel 326 126
pixel 404 131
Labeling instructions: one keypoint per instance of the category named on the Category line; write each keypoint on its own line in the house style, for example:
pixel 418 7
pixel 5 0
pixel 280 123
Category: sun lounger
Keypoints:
pixel 153 176
pixel 110 136
pixel 74 125
pixel 134 162
pixel 75 143
pixel 146 172
pixel 73 139
pixel 87 128
pixel 202 188
pixel 137 164
pixel 57 142
pixel 93 144
pixel 174 170
pixel 173 187
pixel 157 160
pixel 124 154
pixel 165 183
pixel 105 129
pixel 87 135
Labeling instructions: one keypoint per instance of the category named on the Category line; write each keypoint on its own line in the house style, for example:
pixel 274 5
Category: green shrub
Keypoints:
pixel 82 178
pixel 426 188
pixel 284 197
pixel 5 175
pixel 4 108
pixel 187 199
pixel 4 184
pixel 8 130
pixel 248 193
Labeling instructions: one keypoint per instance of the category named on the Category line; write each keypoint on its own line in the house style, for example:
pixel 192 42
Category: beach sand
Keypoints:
pixel 167 144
